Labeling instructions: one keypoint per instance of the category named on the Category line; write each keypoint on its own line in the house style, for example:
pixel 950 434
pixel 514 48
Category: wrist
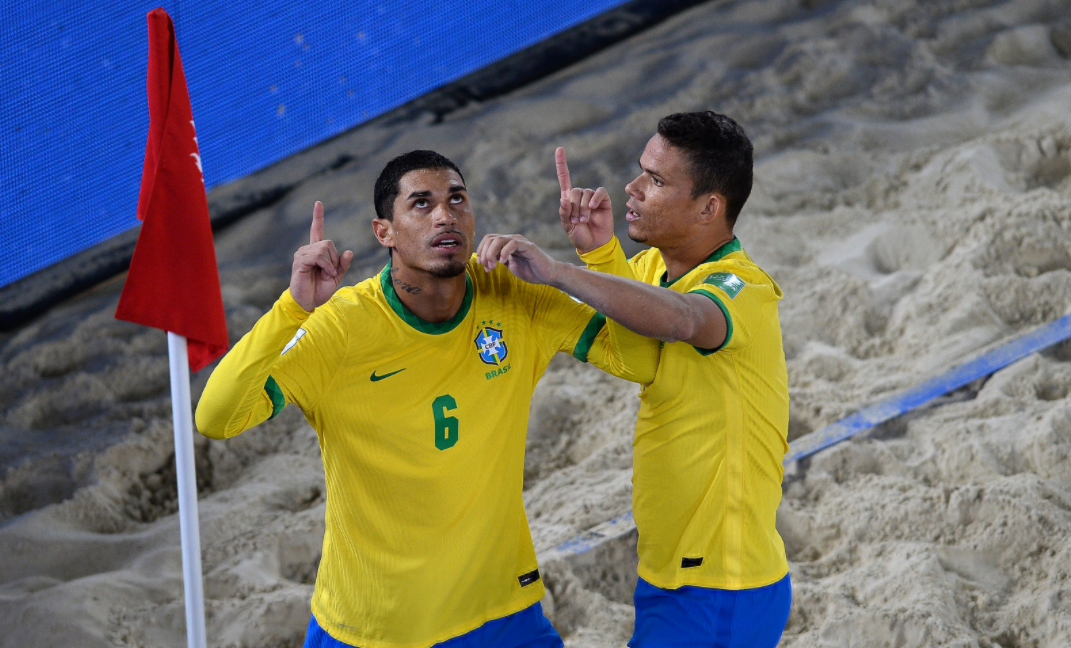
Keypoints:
pixel 601 253
pixel 595 245
pixel 306 308
pixel 559 274
pixel 294 307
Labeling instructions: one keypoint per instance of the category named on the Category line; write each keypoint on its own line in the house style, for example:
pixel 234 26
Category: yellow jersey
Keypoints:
pixel 712 431
pixel 422 430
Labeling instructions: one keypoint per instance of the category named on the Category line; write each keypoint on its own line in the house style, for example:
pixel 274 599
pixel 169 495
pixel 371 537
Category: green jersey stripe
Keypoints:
pixel 720 253
pixel 587 338
pixel 278 402
pixel 728 320
pixel 407 316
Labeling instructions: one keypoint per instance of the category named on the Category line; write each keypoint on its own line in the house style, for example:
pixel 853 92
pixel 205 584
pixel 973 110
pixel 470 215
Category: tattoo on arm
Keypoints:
pixel 401 285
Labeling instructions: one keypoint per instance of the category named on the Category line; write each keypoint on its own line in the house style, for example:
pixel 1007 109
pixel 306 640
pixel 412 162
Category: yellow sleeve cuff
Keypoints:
pixel 602 254
pixel 292 308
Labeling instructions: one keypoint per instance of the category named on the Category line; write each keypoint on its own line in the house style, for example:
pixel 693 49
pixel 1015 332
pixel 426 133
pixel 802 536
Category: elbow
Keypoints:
pixel 641 370
pixel 686 323
pixel 647 363
pixel 683 328
pixel 207 422
pixel 645 377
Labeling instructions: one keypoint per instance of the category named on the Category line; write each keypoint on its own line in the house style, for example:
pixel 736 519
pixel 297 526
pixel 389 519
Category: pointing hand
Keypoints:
pixel 318 267
pixel 587 216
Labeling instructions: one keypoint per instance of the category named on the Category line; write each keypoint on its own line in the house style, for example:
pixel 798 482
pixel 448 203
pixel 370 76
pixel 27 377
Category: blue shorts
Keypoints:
pixel 525 629
pixel 694 617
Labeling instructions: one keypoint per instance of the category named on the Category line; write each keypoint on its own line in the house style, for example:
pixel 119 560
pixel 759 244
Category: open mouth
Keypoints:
pixel 631 215
pixel 446 242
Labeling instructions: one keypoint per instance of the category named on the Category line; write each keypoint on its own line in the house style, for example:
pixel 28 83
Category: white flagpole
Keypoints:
pixel 182 415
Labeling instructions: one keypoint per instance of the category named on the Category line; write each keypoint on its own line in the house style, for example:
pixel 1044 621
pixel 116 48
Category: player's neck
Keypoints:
pixel 432 299
pixel 689 252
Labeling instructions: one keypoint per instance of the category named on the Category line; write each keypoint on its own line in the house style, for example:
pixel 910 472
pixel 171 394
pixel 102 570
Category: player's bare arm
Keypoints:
pixel 318 267
pixel 648 310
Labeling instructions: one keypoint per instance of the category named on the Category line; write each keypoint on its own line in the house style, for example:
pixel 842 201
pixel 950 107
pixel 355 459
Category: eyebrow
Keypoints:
pixel 427 193
pixel 652 172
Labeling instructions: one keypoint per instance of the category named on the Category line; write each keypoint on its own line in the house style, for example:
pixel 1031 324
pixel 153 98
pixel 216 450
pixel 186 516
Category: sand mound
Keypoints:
pixel 913 199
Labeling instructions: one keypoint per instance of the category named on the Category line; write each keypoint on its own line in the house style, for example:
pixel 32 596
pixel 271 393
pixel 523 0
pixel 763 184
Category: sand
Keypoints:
pixel 913 199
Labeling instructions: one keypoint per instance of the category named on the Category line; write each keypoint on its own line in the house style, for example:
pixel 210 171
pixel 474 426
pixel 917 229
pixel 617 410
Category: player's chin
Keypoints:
pixel 446 268
pixel 637 233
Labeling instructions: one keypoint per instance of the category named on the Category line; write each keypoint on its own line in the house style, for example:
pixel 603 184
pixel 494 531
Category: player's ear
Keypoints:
pixel 712 208
pixel 384 231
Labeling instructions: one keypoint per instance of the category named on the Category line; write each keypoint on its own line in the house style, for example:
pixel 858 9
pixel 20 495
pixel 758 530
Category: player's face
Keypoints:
pixel 661 208
pixel 433 225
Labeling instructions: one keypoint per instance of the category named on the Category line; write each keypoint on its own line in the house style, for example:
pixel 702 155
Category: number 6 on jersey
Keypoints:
pixel 445 426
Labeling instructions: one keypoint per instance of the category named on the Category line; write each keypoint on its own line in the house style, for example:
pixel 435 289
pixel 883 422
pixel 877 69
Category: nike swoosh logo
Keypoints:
pixel 376 378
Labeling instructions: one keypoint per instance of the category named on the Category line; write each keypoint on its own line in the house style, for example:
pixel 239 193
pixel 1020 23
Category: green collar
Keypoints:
pixel 432 328
pixel 723 251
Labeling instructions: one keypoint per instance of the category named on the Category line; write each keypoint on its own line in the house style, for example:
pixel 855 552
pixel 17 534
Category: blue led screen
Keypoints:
pixel 266 80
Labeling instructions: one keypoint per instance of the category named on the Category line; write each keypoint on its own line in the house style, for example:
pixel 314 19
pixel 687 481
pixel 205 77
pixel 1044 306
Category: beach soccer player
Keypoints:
pixel 418 383
pixel 712 427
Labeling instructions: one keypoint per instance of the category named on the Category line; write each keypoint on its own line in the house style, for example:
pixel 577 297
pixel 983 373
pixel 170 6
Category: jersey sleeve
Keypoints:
pixel 741 304
pixel 616 340
pixel 290 356
pixel 610 259
pixel 619 351
pixel 573 327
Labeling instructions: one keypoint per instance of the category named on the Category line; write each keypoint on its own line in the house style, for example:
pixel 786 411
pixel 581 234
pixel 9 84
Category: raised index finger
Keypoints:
pixel 563 170
pixel 317 233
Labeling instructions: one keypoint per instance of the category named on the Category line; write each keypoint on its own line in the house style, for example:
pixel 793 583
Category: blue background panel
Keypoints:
pixel 266 80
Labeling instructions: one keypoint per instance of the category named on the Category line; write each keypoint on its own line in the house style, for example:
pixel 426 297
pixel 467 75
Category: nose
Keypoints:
pixel 442 216
pixel 633 189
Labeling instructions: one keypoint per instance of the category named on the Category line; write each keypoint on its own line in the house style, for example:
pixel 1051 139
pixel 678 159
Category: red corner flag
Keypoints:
pixel 173 283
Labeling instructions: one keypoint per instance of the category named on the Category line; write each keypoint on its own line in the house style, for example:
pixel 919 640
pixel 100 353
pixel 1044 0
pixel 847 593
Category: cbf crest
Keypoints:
pixel 490 345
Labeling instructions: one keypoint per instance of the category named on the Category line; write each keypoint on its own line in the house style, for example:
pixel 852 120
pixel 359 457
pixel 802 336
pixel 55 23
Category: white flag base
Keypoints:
pixel 182 415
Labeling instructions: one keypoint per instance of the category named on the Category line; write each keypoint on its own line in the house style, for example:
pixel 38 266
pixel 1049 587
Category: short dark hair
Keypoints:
pixel 386 191
pixel 720 153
